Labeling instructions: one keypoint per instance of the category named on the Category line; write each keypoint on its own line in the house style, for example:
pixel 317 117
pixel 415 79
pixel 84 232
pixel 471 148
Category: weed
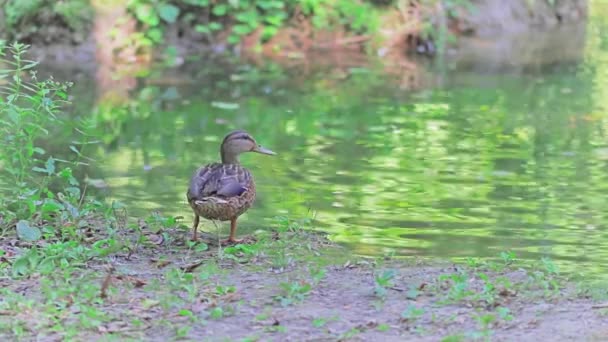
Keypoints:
pixel 507 257
pixel 454 338
pixel 317 274
pixel 351 333
pixel 293 292
pixel 504 313
pixel 474 263
pixel 241 253
pixel 412 313
pixel 544 277
pixel 383 280
pixel 485 322
pixel 183 331
pixel 320 322
pixel 217 312
pixel 458 288
pixel 413 291
pixel 488 293
pixel 383 327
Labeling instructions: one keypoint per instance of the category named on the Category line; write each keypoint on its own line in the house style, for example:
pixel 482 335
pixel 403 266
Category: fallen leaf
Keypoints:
pixel 192 267
pixel 149 303
pixel 133 280
pixel 27 232
pixel 162 263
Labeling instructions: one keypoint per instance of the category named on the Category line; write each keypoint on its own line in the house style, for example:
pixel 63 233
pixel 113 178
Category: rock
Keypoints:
pixel 491 17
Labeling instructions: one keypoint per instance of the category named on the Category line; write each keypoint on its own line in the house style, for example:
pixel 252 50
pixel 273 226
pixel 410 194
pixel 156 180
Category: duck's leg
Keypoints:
pixel 231 238
pixel 232 230
pixel 195 227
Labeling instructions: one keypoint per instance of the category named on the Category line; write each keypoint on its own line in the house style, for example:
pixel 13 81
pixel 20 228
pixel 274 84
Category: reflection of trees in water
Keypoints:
pixel 116 53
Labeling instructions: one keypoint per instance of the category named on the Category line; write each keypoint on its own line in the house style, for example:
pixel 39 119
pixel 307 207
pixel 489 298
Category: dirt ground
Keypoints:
pixel 296 287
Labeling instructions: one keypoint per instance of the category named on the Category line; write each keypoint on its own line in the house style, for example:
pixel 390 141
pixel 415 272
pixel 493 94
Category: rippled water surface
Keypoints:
pixel 445 161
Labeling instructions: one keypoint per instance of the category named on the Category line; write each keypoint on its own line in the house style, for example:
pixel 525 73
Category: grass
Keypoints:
pixel 82 292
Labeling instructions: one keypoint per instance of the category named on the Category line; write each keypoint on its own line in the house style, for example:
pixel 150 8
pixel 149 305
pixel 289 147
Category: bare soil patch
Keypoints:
pixel 293 286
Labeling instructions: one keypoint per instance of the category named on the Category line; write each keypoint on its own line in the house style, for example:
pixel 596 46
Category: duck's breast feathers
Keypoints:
pixel 221 180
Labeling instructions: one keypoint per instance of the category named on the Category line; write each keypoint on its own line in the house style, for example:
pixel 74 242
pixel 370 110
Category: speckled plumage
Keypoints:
pixel 209 193
pixel 224 191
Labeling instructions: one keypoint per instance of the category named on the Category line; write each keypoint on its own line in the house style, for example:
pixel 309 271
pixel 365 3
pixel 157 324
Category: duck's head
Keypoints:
pixel 238 142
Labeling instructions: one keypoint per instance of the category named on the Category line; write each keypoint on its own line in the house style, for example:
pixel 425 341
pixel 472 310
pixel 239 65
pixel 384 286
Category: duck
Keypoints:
pixel 224 191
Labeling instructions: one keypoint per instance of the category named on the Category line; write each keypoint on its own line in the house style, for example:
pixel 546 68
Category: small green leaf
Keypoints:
pixel 47 265
pixel 219 10
pixel 241 30
pixel 51 206
pixel 168 12
pixel 215 26
pixel 27 232
pixel 185 312
pixel 217 313
pixel 146 14
pixel 201 247
pixel 268 32
pixel 233 39
pixel 21 266
pixel 202 29
pixel 155 34
pixel 50 166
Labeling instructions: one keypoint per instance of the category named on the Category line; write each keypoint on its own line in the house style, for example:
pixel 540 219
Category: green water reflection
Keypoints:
pixel 477 165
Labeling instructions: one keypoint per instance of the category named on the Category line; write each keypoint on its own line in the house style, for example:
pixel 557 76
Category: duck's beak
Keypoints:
pixel 263 150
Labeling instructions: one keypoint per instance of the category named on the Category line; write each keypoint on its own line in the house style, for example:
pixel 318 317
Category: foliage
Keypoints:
pixel 229 19
pixel 384 280
pixel 30 109
pixel 243 17
pixel 23 17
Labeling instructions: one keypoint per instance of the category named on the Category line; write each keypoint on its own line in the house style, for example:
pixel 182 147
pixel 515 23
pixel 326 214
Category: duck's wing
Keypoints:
pixel 219 180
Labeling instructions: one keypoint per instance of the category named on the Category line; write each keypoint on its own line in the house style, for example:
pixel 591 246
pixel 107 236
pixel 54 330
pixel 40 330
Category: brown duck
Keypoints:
pixel 223 191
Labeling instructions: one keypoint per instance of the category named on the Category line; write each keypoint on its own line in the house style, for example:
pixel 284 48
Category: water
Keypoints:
pixel 443 161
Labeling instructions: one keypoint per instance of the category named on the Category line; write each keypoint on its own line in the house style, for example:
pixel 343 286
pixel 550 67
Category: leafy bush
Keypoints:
pixel 242 17
pixel 34 186
pixel 25 17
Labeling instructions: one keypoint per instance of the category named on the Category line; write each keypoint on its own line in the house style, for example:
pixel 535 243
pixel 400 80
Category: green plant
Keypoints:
pixel 293 292
pixel 508 257
pixel 151 14
pixel 458 288
pixel 383 327
pixel 485 322
pixel 320 322
pixel 504 313
pixel 38 187
pixel 23 18
pixel 384 280
pixel 412 313
pixel 317 274
pixel 241 18
pixel 488 293
pixel 454 338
